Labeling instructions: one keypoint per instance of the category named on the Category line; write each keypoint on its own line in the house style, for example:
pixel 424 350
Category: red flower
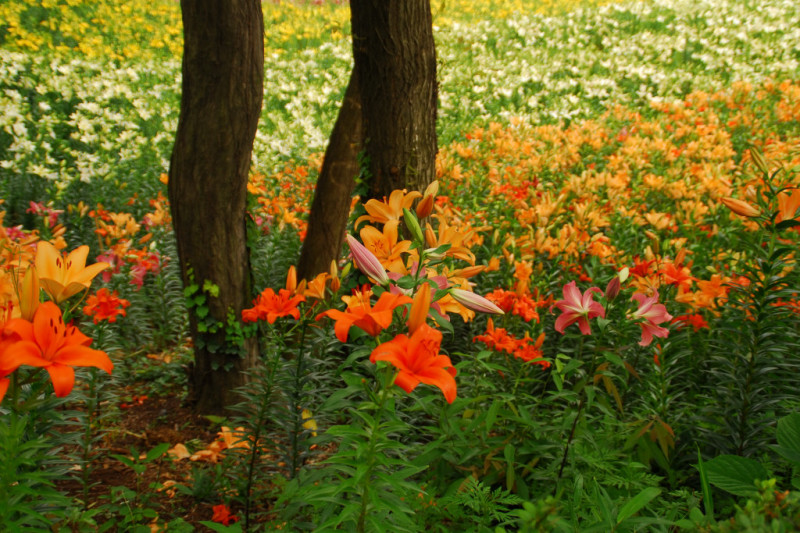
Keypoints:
pixel 419 361
pixel 269 306
pixel 105 306
pixel 497 339
pixel 577 307
pixel 222 515
pixel 531 352
pixel 695 320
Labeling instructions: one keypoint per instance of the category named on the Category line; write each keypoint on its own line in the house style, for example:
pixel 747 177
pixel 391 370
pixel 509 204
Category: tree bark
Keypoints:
pixel 223 69
pixel 395 62
pixel 337 178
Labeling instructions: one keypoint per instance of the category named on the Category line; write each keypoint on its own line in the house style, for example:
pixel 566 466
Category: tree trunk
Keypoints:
pixel 395 62
pixel 337 178
pixel 223 69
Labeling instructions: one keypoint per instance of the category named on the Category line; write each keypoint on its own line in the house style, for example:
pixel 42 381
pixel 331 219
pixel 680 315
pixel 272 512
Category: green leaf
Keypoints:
pixel 635 504
pixel 491 415
pixel 211 288
pixel 157 452
pixel 788 432
pixel 708 500
pixel 233 528
pixel 735 474
pixel 508 453
pixel 442 322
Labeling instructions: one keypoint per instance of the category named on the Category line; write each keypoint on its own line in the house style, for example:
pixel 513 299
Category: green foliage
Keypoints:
pixel 133 509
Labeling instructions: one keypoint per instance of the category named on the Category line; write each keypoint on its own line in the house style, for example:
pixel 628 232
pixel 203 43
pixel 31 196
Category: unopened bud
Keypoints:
pixel 612 289
pixel 741 208
pixel 475 302
pixel 413 225
pixel 758 160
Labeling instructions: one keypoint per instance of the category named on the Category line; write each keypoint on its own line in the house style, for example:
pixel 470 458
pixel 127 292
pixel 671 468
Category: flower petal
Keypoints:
pixel 63 378
pixel 79 355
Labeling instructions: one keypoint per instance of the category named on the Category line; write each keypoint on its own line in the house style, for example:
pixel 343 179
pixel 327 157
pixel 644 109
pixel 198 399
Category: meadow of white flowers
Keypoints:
pixel 63 120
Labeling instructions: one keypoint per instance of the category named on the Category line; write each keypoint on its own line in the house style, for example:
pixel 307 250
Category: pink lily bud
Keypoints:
pixel 612 289
pixel 366 261
pixel 472 301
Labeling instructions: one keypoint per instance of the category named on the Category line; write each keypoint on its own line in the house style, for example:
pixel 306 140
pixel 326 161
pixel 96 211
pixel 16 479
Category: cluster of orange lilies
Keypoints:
pixel 34 333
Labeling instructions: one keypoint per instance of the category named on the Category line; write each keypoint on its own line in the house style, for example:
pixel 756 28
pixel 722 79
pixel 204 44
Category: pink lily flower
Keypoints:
pixel 653 314
pixel 577 307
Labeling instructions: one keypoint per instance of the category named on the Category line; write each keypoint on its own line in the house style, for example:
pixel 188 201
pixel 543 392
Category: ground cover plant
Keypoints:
pixel 588 323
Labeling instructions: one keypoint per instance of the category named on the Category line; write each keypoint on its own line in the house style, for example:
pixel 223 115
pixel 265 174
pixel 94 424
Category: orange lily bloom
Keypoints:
pixel 269 306
pixel 316 287
pixel 419 361
pixel 385 247
pixel 53 345
pixel 391 209
pixel 788 204
pixel 62 277
pixel 361 314
pixel 450 235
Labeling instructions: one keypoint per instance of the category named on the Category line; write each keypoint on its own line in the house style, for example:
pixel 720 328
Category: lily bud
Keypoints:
pixel 419 308
pixel 413 225
pixel 29 294
pixel 430 237
pixel 759 161
pixel 475 302
pixel 335 282
pixel 741 208
pixel 425 206
pixel 291 279
pixel 612 289
pixel 366 261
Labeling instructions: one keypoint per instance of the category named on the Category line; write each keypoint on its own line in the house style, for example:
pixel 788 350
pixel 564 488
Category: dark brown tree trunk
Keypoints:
pixel 337 178
pixel 395 61
pixel 223 70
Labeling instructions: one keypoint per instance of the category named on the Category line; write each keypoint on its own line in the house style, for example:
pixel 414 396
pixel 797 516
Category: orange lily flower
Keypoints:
pixel 360 314
pixel 788 204
pixel 316 287
pixel 62 277
pixel 391 209
pixel 419 361
pixel 450 235
pixel 269 306
pixel 53 345
pixel 385 247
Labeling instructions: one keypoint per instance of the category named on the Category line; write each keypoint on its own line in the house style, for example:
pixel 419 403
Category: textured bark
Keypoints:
pixel 223 69
pixel 337 178
pixel 395 61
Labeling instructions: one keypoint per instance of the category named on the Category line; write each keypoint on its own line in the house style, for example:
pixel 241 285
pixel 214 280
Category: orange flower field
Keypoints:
pixel 589 321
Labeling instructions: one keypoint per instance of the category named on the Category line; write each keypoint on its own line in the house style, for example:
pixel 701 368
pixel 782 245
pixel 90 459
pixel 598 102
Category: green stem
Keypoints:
pixel 581 404
pixel 296 408
pixel 370 457
pixel 266 396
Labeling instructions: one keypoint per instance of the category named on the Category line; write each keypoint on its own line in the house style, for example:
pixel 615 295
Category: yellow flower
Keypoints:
pixel 63 276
